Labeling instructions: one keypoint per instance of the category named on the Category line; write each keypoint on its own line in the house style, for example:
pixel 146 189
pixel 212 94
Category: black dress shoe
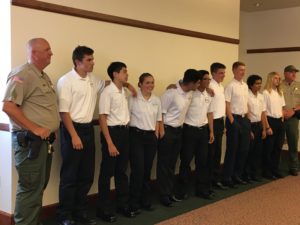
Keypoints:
pixel 147 207
pixel 278 175
pixel 205 195
pixel 247 179
pixel 66 222
pixel 269 176
pixel 255 178
pixel 174 198
pixel 293 172
pixel 85 219
pixel 238 180
pixel 220 186
pixel 184 196
pixel 228 184
pixel 212 192
pixel 166 201
pixel 127 212
pixel 137 210
pixel 106 216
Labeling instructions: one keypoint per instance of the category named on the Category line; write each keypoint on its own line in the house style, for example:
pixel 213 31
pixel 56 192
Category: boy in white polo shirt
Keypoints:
pixel 238 127
pixel 77 91
pixel 218 102
pixel 175 103
pixel 257 116
pixel 197 134
pixel 113 120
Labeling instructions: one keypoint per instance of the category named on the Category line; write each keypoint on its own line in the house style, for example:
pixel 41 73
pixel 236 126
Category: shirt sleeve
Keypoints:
pixel 130 103
pixel 282 100
pixel 15 90
pixel 266 98
pixel 228 93
pixel 264 105
pixel 211 106
pixel 64 92
pixel 104 102
pixel 166 100
pixel 101 85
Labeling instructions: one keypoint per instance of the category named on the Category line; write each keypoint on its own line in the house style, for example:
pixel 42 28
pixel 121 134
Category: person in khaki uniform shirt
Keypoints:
pixel 291 92
pixel 31 104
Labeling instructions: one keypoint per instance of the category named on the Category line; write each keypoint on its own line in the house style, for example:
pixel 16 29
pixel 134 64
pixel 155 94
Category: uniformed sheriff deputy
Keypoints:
pixel 31 104
pixel 291 92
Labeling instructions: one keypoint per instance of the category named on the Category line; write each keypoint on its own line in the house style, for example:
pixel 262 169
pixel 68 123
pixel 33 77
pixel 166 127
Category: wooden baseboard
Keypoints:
pixel 6 218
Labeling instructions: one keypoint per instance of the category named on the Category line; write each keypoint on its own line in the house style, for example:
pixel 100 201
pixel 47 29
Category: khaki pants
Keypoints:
pixel 33 178
pixel 292 135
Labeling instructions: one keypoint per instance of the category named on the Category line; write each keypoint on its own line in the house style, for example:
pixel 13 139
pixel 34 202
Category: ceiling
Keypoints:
pixel 260 5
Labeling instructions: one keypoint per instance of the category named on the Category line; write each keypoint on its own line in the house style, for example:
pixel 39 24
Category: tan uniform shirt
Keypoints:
pixel 291 94
pixel 33 92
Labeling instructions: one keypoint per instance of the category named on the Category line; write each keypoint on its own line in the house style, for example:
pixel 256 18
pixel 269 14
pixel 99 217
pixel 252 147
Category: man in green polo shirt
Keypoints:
pixel 291 91
pixel 31 104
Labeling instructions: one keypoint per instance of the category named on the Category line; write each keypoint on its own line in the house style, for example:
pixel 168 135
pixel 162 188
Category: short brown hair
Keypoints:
pixel 237 64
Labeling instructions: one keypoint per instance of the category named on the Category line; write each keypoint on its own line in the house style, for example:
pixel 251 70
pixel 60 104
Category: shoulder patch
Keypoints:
pixel 17 79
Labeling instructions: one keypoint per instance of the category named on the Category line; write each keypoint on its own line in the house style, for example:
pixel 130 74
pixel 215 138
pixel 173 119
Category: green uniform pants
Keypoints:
pixel 33 178
pixel 292 135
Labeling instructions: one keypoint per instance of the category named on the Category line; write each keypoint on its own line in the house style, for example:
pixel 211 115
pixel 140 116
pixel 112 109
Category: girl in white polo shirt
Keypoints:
pixel 274 126
pixel 145 114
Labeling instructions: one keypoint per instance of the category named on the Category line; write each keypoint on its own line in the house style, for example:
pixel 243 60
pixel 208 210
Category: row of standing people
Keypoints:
pixel 191 118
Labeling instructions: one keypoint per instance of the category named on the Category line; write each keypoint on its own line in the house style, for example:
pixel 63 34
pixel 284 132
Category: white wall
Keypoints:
pixel 164 55
pixel 269 29
pixel 6 170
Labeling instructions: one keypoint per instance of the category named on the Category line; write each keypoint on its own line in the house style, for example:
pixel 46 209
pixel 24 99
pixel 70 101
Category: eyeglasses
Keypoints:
pixel 206 79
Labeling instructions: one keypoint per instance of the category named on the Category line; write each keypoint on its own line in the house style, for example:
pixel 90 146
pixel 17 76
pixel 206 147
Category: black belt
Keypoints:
pixel 51 136
pixel 194 127
pixel 119 127
pixel 238 115
pixel 273 118
pixel 142 131
pixel 82 125
pixel 219 119
pixel 173 128
pixel 256 123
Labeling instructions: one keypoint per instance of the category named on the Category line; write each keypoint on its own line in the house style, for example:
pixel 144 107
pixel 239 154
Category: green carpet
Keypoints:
pixel 162 213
